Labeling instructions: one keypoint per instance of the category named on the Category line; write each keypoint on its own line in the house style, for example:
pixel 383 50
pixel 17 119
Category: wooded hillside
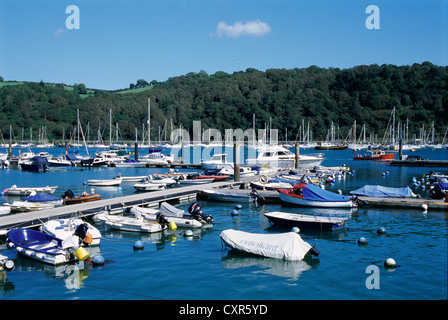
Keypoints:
pixel 319 96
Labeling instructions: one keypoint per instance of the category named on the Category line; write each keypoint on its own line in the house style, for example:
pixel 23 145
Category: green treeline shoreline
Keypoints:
pixel 289 98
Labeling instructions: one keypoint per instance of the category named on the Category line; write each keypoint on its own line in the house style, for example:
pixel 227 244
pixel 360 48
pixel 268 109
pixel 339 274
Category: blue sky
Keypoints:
pixel 121 41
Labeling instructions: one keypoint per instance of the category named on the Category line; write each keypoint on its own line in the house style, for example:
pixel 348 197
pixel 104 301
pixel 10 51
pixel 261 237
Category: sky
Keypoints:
pixel 118 42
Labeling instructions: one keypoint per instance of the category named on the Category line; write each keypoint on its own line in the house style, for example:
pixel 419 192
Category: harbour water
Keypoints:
pixel 174 267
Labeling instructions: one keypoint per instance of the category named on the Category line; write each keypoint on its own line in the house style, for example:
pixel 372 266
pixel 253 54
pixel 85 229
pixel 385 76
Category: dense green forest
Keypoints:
pixel 319 96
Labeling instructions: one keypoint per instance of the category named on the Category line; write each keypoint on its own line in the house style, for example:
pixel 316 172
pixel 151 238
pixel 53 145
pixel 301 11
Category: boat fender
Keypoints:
pixel 172 226
pixel 88 239
pixel 138 245
pixel 314 252
pixel 81 254
pixel 98 260
pixel 295 230
pixel 263 179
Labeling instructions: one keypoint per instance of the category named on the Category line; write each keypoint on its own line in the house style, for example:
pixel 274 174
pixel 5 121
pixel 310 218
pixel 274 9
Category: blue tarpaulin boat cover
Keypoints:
pixel 314 193
pixel 380 191
pixel 40 197
pixel 443 185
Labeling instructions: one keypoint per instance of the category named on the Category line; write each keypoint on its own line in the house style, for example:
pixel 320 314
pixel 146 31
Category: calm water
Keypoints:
pixel 174 267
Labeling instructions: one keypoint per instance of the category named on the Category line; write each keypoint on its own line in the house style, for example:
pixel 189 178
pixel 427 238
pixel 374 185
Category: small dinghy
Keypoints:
pixel 24 191
pixel 229 196
pixel 45 248
pixel 309 195
pixel 194 219
pixel 105 182
pixel 133 224
pixel 149 186
pixel 306 221
pixel 70 198
pixel 64 228
pixel 286 246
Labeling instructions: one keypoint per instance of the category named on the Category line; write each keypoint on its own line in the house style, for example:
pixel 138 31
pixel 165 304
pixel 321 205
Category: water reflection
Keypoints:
pixel 291 270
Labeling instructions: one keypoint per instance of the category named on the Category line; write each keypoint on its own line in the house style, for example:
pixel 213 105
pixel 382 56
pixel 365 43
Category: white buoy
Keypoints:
pixel 188 233
pixel 362 241
pixel 425 208
pixel 295 230
pixel 390 263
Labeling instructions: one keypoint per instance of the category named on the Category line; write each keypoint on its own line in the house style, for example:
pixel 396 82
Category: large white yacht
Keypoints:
pixel 280 157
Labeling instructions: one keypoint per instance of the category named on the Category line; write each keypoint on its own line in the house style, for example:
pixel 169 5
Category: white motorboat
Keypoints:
pixel 59 162
pixel 133 224
pixel 194 181
pixel 130 163
pixel 217 161
pixel 64 228
pixel 229 195
pixel 244 172
pixel 26 191
pixel 149 186
pixel 105 183
pixel 26 206
pixel 286 246
pixel 172 214
pixel 157 158
pixel 306 221
pixel 5 210
pixel 279 157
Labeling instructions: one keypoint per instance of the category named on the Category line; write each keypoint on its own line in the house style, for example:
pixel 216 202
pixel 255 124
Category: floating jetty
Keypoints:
pixel 419 163
pixel 404 203
pixel 113 205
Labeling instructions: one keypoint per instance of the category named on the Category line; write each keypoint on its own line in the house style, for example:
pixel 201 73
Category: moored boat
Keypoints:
pixel 306 221
pixel 64 228
pixel 378 155
pixel 309 195
pixel 26 191
pixel 286 246
pixel 172 214
pixel 228 195
pixel 44 247
pixel 105 182
pixel 133 224
pixel 70 198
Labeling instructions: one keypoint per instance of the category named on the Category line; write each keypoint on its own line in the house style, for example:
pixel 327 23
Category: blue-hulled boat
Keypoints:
pixel 46 248
pixel 36 163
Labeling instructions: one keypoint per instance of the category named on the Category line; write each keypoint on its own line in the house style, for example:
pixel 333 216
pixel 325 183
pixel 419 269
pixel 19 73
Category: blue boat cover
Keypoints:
pixel 380 191
pixel 314 193
pixel 40 197
pixel 443 185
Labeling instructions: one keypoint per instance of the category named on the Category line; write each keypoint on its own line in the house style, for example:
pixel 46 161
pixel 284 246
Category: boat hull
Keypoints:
pixel 306 221
pixel 81 199
pixel 299 201
pixel 228 196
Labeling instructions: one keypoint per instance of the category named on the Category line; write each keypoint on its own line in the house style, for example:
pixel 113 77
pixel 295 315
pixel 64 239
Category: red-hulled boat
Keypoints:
pixel 378 155
pixel 70 198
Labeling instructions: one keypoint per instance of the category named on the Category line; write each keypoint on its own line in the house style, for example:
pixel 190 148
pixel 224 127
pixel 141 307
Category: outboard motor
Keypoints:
pixel 160 218
pixel 196 211
pixel 257 196
pixel 68 194
pixel 81 232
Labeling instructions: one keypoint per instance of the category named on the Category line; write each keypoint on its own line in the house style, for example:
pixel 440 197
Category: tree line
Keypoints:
pixel 285 98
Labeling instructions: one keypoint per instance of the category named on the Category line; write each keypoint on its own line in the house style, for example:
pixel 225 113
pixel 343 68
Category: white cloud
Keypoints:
pixel 254 28
pixel 59 32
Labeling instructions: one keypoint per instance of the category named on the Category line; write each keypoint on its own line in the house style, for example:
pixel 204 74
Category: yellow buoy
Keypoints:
pixel 81 254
